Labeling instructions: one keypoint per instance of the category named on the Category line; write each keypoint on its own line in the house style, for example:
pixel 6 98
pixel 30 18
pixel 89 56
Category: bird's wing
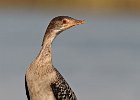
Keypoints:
pixel 27 91
pixel 62 90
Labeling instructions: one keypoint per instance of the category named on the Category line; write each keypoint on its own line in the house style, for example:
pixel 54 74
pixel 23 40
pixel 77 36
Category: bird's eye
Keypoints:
pixel 65 21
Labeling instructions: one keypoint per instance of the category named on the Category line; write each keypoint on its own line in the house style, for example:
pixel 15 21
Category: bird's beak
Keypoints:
pixel 78 22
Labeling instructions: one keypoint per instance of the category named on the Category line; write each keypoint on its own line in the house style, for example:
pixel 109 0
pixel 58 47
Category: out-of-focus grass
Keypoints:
pixel 79 4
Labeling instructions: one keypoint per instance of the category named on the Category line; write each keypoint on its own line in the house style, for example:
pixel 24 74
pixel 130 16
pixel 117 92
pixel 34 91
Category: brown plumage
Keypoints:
pixel 42 80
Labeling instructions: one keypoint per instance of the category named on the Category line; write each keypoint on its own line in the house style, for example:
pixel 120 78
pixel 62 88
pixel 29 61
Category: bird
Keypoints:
pixel 42 80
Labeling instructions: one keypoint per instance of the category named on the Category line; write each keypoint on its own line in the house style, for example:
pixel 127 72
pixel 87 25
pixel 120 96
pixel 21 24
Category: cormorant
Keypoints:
pixel 42 79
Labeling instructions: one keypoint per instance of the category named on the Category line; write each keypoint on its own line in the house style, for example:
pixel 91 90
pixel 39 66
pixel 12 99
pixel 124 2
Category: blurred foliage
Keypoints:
pixel 79 4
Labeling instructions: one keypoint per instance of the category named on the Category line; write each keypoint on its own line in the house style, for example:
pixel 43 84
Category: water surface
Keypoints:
pixel 100 59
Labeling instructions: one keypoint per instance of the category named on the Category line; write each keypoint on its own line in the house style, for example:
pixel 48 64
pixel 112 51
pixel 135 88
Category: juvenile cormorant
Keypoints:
pixel 42 79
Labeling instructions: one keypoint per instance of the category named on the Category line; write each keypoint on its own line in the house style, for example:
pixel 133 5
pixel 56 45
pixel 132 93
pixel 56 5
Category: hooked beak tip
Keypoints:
pixel 80 22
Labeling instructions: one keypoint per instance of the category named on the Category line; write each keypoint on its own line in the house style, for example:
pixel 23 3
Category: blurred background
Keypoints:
pixel 100 59
pixel 74 4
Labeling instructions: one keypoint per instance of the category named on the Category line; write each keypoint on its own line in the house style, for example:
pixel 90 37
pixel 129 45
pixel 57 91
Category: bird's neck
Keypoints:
pixel 45 55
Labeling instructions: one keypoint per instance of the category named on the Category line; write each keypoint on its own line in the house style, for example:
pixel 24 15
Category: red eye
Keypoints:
pixel 65 21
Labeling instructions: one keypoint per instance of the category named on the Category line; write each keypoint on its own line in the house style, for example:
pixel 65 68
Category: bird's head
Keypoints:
pixel 57 25
pixel 62 23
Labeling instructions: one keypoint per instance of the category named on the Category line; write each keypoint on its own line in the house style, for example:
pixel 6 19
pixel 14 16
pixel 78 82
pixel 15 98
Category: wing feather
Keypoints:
pixel 27 91
pixel 62 90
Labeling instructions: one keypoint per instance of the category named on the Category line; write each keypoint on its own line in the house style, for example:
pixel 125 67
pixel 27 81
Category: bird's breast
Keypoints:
pixel 39 84
pixel 49 96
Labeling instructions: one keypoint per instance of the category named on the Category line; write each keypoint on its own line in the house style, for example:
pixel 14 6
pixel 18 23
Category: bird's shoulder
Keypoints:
pixel 61 89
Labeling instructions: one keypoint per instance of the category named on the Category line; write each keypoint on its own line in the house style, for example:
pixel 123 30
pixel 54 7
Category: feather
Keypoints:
pixel 62 90
pixel 27 91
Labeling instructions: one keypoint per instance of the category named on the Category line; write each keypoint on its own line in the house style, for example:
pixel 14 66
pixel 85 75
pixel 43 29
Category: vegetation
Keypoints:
pixel 85 4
